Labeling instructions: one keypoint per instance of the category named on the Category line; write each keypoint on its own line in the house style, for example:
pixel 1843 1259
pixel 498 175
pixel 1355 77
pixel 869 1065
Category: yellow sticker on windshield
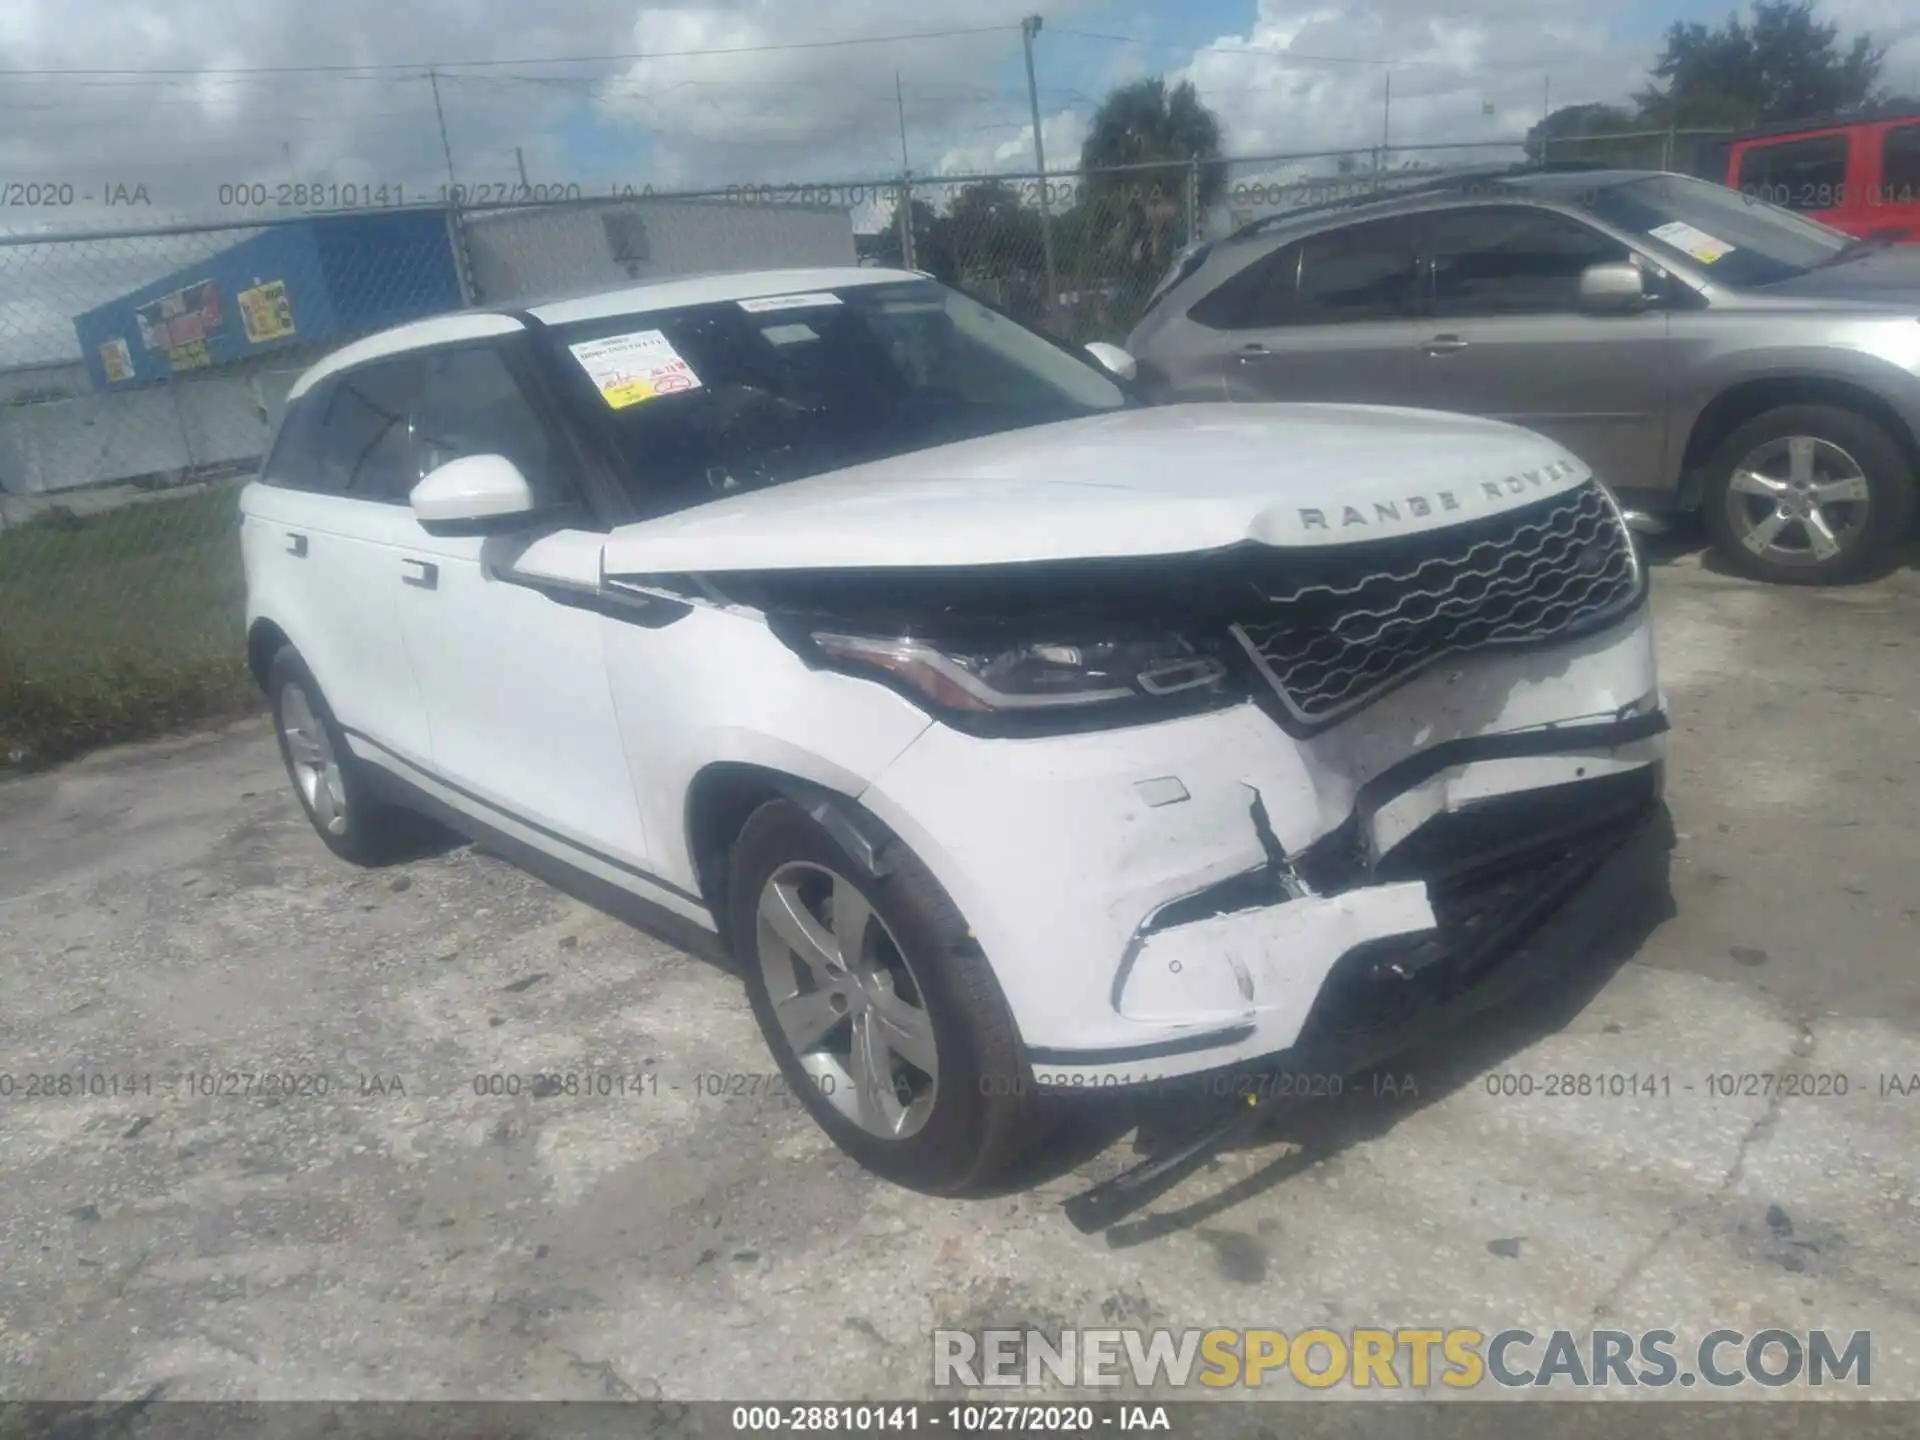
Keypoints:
pixel 1691 240
pixel 627 369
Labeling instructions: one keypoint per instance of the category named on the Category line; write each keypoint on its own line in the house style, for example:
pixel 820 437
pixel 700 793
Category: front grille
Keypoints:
pixel 1330 644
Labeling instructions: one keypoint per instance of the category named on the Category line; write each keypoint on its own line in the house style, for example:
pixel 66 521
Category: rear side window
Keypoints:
pixel 1511 260
pixel 361 443
pixel 1259 295
pixel 1360 272
pixel 1900 167
pixel 289 462
pixel 1797 174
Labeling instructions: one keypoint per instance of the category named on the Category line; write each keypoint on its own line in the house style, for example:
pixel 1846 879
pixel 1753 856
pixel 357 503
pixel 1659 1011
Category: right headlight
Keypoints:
pixel 1044 675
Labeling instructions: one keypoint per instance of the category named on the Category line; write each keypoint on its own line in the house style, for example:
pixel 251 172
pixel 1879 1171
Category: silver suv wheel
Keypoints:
pixel 316 769
pixel 1797 501
pixel 847 1000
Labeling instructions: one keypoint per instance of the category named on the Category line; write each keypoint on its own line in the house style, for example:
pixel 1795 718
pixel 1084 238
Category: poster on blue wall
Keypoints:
pixel 267 312
pixel 179 326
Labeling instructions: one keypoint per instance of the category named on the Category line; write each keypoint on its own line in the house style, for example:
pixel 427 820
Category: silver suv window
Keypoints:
pixel 1764 244
pixel 1358 272
pixel 1512 260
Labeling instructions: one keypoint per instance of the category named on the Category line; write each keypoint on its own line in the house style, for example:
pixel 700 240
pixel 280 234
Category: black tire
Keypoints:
pixel 1882 520
pixel 983 1113
pixel 372 831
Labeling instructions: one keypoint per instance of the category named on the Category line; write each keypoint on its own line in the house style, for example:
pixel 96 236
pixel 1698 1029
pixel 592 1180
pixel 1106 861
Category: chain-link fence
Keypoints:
pixel 120 581
pixel 1698 152
pixel 142 373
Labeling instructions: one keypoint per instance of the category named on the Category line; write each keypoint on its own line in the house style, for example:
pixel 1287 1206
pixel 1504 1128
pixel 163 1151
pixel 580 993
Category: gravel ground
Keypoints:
pixel 165 913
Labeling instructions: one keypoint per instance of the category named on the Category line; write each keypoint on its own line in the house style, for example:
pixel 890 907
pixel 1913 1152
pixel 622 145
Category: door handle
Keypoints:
pixel 1253 348
pixel 296 543
pixel 1443 344
pixel 426 574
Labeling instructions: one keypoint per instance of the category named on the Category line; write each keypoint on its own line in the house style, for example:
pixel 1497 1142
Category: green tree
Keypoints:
pixel 1145 122
pixel 993 234
pixel 1783 65
pixel 1546 139
pixel 932 242
pixel 1140 215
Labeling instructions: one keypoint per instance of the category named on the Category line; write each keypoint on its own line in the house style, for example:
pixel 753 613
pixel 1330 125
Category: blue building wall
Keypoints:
pixel 319 281
pixel 385 269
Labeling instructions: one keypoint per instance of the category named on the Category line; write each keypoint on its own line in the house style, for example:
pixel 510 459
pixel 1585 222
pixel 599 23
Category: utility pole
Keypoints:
pixel 904 211
pixel 1029 28
pixel 520 159
pixel 446 149
pixel 899 100
pixel 1546 110
pixel 1386 120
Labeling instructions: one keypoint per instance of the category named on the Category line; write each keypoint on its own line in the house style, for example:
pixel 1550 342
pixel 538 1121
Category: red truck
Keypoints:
pixel 1861 176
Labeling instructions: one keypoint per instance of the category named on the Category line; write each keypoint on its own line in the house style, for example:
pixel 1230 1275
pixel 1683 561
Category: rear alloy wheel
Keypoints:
pixel 1808 494
pixel 882 1014
pixel 312 762
pixel 331 786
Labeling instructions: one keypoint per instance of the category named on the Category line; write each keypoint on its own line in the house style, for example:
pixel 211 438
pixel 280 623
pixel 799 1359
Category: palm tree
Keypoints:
pixel 1137 217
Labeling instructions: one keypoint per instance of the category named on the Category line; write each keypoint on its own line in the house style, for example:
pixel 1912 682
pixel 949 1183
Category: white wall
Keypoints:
pixel 97 439
pixel 547 252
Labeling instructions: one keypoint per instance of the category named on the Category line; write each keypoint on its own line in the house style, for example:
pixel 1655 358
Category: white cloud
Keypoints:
pixel 1063 133
pixel 1462 74
pixel 798 113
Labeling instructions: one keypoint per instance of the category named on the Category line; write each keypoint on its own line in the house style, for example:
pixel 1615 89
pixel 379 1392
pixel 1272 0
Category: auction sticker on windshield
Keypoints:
pixel 627 369
pixel 789 302
pixel 1691 240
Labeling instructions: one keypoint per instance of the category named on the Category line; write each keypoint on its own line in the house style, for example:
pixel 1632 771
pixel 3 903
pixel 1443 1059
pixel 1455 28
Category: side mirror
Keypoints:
pixel 474 495
pixel 1114 359
pixel 1617 288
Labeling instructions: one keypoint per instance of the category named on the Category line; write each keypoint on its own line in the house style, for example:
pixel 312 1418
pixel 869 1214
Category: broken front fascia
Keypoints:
pixel 1068 854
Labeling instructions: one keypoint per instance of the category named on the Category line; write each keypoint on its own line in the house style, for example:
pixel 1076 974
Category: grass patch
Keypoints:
pixel 121 625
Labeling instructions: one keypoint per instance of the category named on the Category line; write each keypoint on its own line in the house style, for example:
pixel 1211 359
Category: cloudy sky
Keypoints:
pixel 157 107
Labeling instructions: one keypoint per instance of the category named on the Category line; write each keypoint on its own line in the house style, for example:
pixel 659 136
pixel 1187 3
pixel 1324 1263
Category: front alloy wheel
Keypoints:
pixel 885 1018
pixel 847 1000
pixel 1798 501
pixel 1808 494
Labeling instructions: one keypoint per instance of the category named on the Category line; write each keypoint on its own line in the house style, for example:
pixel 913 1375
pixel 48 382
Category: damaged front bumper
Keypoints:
pixel 1210 893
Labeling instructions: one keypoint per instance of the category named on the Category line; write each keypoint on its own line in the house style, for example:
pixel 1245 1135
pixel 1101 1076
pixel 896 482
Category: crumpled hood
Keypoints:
pixel 1159 480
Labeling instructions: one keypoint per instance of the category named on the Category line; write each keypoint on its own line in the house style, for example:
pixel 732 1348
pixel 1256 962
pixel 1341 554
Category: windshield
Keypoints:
pixel 1739 240
pixel 711 400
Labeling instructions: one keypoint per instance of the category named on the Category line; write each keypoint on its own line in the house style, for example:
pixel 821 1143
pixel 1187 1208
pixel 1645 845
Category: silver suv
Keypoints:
pixel 1696 348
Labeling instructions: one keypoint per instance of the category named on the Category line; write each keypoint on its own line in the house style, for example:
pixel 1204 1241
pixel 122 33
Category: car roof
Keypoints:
pixel 1411 195
pixel 486 322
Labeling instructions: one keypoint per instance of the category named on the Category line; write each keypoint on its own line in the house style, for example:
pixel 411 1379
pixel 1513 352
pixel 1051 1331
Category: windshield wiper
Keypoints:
pixel 1861 245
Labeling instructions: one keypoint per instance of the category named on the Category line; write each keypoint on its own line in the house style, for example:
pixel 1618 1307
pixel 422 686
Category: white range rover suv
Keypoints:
pixel 1009 734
